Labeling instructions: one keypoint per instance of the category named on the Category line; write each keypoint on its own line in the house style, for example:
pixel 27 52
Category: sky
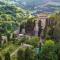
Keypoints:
pixel 40 0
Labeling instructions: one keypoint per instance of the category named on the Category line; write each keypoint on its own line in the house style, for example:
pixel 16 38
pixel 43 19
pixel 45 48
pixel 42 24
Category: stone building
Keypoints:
pixel 38 26
pixel 40 22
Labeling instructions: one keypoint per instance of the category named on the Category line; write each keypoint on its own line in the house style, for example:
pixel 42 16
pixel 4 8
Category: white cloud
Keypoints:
pixel 24 3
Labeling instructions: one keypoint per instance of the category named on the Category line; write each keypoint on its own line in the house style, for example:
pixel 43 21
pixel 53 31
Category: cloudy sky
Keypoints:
pixel 57 2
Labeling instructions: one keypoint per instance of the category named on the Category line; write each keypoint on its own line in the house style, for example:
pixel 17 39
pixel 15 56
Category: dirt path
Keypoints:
pixel 15 51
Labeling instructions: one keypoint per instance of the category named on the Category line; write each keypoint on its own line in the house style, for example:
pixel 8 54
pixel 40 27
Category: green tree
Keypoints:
pixel 7 56
pixel 48 51
pixel 29 54
pixel 54 25
pixel 0 58
pixel 8 36
pixel 29 26
pixel 0 40
pixel 33 41
pixel 58 50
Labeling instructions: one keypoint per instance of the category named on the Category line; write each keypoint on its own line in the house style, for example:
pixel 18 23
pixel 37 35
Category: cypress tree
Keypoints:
pixel 7 56
pixel 0 58
pixel 20 54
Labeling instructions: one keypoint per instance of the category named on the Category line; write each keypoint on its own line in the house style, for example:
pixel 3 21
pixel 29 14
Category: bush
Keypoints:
pixel 33 41
pixel 49 43
pixel 48 51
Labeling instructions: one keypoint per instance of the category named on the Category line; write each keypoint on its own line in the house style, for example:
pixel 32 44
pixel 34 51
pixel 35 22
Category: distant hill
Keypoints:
pixel 48 6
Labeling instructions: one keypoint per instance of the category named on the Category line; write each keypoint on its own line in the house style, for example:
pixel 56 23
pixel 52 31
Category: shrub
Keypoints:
pixel 49 43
